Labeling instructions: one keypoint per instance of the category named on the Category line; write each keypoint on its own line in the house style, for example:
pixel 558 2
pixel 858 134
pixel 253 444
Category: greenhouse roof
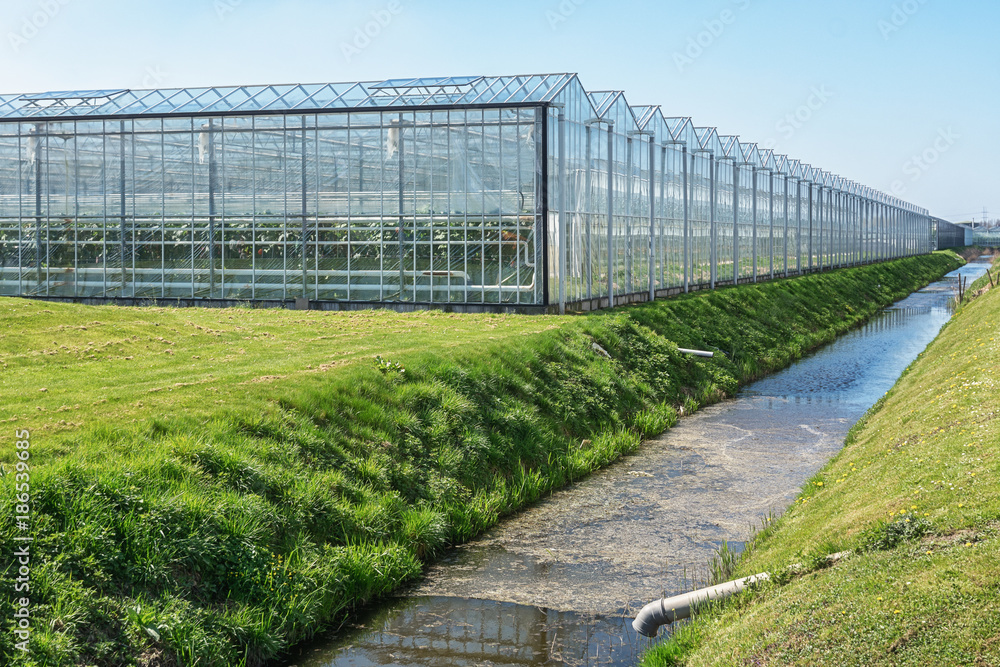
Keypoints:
pixel 467 91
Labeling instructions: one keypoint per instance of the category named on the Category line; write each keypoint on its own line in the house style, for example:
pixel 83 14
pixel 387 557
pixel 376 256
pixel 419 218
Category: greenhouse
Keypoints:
pixel 524 192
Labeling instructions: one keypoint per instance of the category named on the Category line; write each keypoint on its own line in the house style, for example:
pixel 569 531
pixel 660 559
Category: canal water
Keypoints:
pixel 559 583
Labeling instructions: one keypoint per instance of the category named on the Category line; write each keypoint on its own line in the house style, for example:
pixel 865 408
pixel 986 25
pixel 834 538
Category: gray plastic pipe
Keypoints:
pixel 668 610
pixel 696 353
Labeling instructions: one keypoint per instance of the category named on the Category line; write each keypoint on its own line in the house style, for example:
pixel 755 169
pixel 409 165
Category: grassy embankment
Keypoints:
pixel 210 487
pixel 914 497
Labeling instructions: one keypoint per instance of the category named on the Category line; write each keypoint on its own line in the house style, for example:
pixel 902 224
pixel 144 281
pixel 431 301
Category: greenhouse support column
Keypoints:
pixel 401 165
pixel 212 185
pixel 878 231
pixel 830 229
pixel 629 168
pixel 865 230
pixel 852 204
pixel 798 226
pixel 856 212
pixel 903 236
pixel 770 228
pixel 563 232
pixel 663 212
pixel 652 215
pixel 845 234
pixel 687 222
pixel 588 185
pixel 37 155
pixel 860 203
pixel 893 233
pixel 883 231
pixel 754 223
pixel 836 228
pixel 908 225
pixel 713 231
pixel 848 231
pixel 785 209
pixel 834 204
pixel 820 213
pixel 866 245
pixel 899 236
pixel 121 185
pixel 611 211
pixel 305 213
pixel 810 225
pixel 827 232
pixel 853 224
pixel 863 205
pixel 900 233
pixel 736 223
pixel 825 229
pixel 884 234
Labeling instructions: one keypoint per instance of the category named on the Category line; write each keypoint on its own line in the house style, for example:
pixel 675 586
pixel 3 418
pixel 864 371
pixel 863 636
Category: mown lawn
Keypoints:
pixel 66 366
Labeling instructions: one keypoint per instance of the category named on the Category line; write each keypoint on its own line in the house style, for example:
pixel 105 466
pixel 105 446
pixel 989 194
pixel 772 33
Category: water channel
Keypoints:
pixel 559 583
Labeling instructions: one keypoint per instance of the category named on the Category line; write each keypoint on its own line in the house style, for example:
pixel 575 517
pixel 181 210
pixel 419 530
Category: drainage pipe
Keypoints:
pixel 696 353
pixel 679 607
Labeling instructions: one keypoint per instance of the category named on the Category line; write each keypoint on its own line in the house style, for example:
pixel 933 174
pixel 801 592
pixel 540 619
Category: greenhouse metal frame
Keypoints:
pixel 478 193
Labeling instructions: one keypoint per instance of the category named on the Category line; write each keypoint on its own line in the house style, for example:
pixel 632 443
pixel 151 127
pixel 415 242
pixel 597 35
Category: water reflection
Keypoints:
pixel 437 631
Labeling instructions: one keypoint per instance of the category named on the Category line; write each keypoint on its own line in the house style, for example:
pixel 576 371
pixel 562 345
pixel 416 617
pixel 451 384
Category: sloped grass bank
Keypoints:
pixel 211 487
pixel 914 497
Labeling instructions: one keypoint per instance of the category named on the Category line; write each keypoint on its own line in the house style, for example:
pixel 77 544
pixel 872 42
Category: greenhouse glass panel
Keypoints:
pixel 518 192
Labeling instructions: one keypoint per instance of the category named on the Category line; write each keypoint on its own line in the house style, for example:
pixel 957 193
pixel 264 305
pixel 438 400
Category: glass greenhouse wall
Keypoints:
pixel 513 192
pixel 950 235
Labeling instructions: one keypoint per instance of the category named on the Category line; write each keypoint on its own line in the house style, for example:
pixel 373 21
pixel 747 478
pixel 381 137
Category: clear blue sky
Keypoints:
pixel 888 80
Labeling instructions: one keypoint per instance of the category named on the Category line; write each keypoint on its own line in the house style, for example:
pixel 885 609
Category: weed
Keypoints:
pixel 885 536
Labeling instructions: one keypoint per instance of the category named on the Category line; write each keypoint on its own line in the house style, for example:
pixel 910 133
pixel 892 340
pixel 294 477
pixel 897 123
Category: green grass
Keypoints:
pixel 211 487
pixel 914 497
